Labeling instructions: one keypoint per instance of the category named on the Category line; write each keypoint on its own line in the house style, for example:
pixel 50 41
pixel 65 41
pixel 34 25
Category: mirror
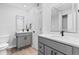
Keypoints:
pixel 64 17
pixel 55 20
pixel 19 23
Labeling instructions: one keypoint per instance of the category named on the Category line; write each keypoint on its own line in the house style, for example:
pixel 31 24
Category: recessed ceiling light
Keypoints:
pixel 25 6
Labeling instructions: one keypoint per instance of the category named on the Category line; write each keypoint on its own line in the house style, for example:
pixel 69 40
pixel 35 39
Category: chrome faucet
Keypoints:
pixel 62 33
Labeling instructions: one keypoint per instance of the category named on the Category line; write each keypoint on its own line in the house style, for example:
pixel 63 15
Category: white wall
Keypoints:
pixel 35 18
pixel 78 20
pixel 7 21
pixel 47 16
pixel 54 20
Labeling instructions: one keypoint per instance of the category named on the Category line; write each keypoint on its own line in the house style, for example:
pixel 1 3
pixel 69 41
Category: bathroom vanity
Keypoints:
pixel 23 39
pixel 48 45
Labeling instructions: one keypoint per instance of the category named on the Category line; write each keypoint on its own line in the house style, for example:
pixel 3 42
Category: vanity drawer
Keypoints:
pixel 23 34
pixel 41 47
pixel 50 51
pixel 56 45
pixel 58 53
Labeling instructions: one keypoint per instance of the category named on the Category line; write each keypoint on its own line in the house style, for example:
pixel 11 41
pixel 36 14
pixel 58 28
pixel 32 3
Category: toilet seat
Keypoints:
pixel 3 46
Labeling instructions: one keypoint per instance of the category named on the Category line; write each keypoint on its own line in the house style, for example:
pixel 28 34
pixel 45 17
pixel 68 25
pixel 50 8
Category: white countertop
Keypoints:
pixel 23 31
pixel 69 40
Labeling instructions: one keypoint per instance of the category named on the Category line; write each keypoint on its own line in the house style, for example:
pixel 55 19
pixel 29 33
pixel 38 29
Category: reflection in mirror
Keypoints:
pixel 64 23
pixel 63 17
pixel 55 20
pixel 19 23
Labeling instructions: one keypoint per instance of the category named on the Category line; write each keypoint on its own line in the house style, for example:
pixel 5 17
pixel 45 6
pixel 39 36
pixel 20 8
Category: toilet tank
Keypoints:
pixel 4 38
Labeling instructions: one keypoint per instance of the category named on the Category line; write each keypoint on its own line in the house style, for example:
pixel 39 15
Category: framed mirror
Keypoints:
pixel 55 20
pixel 64 18
pixel 19 23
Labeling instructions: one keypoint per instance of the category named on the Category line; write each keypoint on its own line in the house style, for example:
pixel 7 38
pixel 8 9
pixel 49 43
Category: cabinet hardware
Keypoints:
pixel 40 47
pixel 51 52
pixel 33 31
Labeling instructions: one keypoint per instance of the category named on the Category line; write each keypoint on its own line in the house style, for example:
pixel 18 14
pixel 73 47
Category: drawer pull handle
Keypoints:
pixel 51 52
pixel 40 47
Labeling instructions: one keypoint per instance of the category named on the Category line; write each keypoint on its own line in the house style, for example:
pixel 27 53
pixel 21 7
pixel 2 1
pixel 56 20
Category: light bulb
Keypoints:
pixel 24 5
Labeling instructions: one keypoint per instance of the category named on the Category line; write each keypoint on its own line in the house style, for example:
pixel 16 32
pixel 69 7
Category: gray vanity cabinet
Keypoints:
pixel 23 39
pixel 51 47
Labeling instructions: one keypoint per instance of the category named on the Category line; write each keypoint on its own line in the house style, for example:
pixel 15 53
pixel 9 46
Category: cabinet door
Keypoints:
pixel 21 42
pixel 28 40
pixel 49 51
pixel 39 53
pixel 41 47
pixel 75 51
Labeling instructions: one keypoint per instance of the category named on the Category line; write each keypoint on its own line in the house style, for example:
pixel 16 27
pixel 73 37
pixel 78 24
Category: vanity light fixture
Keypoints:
pixel 25 6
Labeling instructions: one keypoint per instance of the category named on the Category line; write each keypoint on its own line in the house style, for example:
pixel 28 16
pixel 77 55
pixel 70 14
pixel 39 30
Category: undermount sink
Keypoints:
pixel 58 36
pixel 54 35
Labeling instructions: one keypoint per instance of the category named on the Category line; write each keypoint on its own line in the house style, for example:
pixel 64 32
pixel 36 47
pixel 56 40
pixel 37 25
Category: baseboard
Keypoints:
pixel 12 46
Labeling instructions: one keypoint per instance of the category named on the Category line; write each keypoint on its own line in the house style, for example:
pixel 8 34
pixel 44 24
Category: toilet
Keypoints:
pixel 3 44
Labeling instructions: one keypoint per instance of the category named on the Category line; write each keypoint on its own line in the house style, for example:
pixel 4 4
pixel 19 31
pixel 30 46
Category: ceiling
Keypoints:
pixel 25 6
pixel 29 6
pixel 64 6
